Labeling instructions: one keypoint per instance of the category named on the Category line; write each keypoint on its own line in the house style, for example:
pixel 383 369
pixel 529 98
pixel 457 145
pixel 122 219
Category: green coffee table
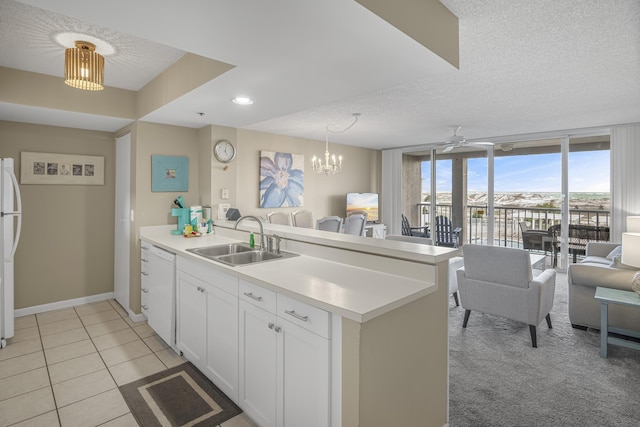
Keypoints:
pixel 608 296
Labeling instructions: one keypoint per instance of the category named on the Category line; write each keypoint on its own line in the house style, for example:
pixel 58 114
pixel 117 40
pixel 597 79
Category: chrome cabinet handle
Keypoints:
pixel 200 289
pixel 145 290
pixel 274 327
pixel 144 273
pixel 145 247
pixel 296 315
pixel 144 260
pixel 145 307
pixel 252 296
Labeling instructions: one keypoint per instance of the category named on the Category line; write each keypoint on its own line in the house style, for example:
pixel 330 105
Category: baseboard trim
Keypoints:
pixel 62 304
pixel 137 318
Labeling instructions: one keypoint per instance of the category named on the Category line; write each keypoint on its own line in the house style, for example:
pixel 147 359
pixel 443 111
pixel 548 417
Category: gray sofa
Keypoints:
pixel 600 268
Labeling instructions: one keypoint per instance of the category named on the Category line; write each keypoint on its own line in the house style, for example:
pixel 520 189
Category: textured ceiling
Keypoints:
pixel 526 66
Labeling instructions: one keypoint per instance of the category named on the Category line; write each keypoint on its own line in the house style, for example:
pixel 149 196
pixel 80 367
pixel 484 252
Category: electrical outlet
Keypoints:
pixel 224 193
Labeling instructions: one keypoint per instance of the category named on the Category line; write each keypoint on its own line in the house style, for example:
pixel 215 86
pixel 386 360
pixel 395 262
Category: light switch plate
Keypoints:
pixel 224 193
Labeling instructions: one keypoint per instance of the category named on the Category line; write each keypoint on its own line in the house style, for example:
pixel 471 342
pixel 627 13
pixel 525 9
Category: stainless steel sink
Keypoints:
pixel 214 251
pixel 253 257
pixel 235 254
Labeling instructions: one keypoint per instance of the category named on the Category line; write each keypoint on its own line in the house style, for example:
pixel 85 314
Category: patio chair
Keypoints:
pixel 278 218
pixel 302 219
pixel 541 240
pixel 499 281
pixel 408 230
pixel 446 235
pixel 329 223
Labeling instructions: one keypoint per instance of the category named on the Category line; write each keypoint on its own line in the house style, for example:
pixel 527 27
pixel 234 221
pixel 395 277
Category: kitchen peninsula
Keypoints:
pixel 377 308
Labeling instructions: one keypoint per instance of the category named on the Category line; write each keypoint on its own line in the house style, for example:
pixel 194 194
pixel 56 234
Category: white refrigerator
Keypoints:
pixel 10 220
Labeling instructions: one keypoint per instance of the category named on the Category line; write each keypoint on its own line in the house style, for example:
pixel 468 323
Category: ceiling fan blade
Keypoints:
pixel 448 149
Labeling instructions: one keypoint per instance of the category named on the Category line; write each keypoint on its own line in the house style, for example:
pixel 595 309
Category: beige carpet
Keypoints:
pixel 498 379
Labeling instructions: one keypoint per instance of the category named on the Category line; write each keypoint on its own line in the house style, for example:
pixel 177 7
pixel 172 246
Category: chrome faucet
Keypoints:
pixel 262 247
pixel 273 243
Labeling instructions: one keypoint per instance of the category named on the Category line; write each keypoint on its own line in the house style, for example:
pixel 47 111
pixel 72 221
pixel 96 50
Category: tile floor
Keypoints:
pixel 63 367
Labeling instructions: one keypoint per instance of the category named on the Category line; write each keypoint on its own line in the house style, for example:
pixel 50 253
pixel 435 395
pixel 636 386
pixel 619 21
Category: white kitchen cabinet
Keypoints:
pixel 303 377
pixel 208 323
pixel 258 364
pixel 222 340
pixel 285 360
pixel 192 318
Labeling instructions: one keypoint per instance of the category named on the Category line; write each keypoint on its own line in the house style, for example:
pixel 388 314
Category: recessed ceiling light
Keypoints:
pixel 242 100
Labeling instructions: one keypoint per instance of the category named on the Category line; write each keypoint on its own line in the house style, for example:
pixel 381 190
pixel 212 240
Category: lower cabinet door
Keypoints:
pixel 222 341
pixel 258 347
pixel 192 318
pixel 303 378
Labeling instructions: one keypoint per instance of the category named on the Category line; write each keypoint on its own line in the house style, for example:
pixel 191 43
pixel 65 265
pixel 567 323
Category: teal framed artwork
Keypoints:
pixel 169 173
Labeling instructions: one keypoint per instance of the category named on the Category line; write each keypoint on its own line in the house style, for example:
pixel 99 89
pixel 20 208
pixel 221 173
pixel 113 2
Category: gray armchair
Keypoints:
pixel 499 281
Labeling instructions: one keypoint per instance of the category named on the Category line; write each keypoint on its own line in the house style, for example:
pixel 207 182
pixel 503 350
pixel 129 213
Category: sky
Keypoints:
pixel 588 172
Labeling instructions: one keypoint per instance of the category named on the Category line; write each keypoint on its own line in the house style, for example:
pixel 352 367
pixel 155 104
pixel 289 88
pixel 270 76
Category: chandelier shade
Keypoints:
pixel 84 67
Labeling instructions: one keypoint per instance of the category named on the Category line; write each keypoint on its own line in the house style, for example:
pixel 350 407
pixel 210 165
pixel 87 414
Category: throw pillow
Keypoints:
pixel 613 253
pixel 617 263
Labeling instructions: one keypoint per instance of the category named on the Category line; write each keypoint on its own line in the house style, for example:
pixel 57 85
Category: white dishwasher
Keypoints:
pixel 161 312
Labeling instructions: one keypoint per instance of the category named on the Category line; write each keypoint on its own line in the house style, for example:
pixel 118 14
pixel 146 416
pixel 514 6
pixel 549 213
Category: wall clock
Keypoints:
pixel 224 151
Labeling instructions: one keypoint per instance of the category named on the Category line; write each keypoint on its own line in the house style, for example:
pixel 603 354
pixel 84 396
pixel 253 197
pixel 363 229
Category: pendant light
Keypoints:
pixel 84 67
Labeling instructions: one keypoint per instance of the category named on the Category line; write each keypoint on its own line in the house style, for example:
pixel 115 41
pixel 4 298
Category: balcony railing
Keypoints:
pixel 507 219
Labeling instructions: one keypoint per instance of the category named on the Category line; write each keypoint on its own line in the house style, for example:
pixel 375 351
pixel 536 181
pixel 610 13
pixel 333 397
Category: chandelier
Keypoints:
pixel 330 165
pixel 84 67
pixel 327 167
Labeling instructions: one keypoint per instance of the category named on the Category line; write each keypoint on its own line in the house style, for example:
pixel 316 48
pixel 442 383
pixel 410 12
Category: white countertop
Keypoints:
pixel 352 292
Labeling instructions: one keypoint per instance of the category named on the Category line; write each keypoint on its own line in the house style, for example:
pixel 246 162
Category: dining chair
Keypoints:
pixel 278 218
pixel 358 212
pixel 329 223
pixel 354 225
pixel 302 219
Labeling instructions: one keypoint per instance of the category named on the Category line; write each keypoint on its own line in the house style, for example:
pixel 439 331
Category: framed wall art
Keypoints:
pixel 169 173
pixel 281 179
pixel 65 169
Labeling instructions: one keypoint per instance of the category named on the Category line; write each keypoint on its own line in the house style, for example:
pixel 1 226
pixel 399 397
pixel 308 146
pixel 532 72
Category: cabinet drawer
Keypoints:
pixel 258 296
pixel 310 318
pixel 209 274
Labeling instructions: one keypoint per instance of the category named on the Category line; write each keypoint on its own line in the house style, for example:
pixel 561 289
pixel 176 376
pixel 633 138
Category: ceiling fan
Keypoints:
pixel 456 141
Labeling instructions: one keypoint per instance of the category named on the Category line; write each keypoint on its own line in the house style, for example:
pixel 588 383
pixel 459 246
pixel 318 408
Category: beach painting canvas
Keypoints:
pixel 281 179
